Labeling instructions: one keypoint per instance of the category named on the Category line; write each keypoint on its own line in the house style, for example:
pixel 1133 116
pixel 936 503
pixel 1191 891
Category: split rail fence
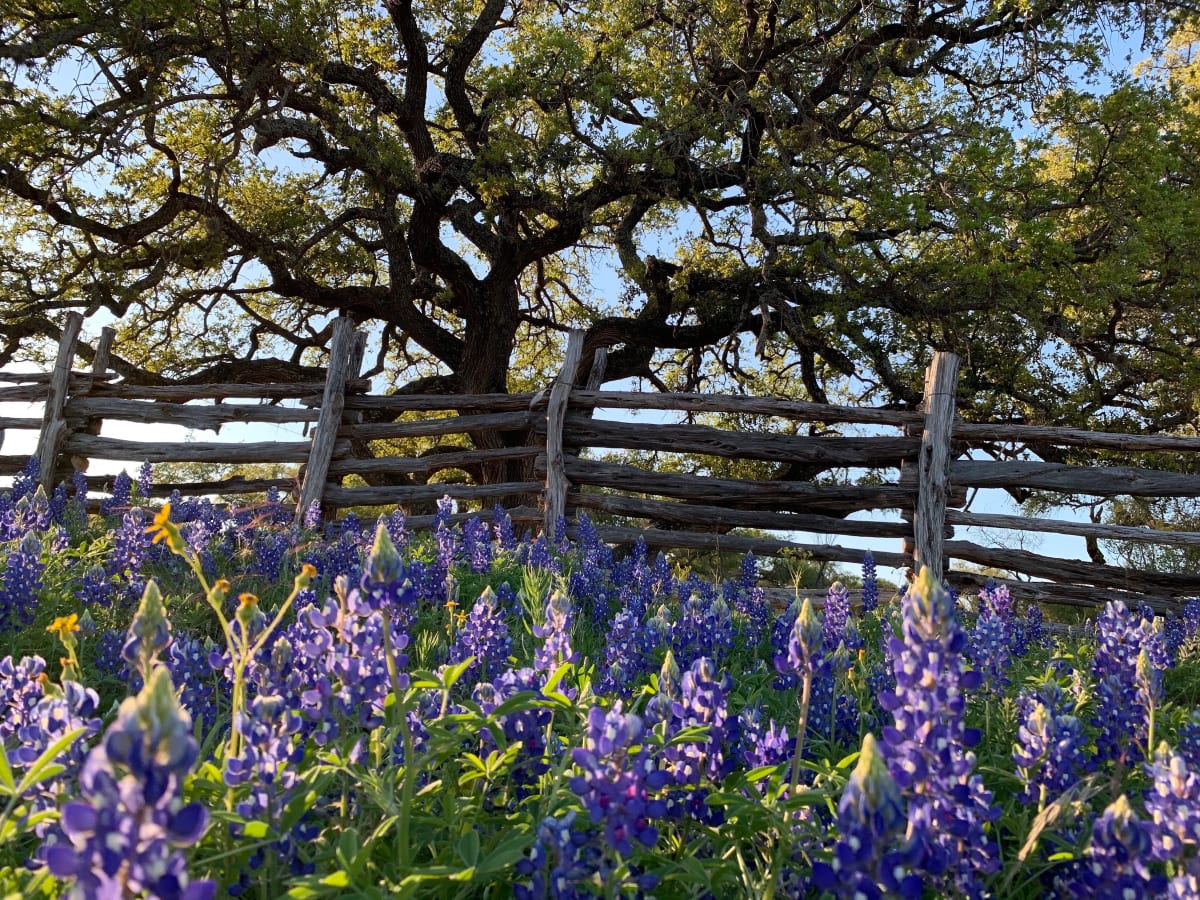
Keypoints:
pixel 545 438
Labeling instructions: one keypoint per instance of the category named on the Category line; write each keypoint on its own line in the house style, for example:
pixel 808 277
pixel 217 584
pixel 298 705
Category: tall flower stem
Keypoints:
pixel 802 725
pixel 401 712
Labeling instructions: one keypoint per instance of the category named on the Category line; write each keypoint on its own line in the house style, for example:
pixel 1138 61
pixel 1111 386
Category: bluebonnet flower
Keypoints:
pixel 1174 635
pixel 145 481
pixel 558 863
pixel 703 702
pixel 118 500
pixel 1123 702
pixel 22 686
pixel 122 837
pixel 30 513
pixel 312 515
pixel 131 548
pixel 804 643
pixel 95 588
pixel 59 711
pixel 617 776
pixel 747 597
pixel 484 636
pixel 477 545
pixel 989 651
pixel 1191 618
pixel 397 526
pixel 836 617
pixel 502 526
pixel 22 584
pixel 272 748
pixel 1187 741
pixel 926 749
pixel 1051 753
pixel 57 506
pixel 625 659
pixel 149 633
pixel 873 856
pixel 704 629
pixel 526 727
pixel 541 557
pixel 870 584
pixel 25 482
pixel 760 746
pixel 268 552
pixel 555 632
pixel 188 662
pixel 1173 810
pixel 1115 862
pixel 590 582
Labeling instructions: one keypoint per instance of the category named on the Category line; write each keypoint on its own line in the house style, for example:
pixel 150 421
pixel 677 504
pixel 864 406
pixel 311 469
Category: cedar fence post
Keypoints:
pixel 54 424
pixel 929 525
pixel 333 401
pixel 99 371
pixel 556 410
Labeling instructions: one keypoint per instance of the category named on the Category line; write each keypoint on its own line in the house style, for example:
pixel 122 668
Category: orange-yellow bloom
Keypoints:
pixel 64 625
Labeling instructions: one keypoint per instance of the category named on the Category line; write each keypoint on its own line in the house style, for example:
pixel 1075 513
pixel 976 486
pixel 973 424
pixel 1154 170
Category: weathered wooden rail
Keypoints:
pixel 548 456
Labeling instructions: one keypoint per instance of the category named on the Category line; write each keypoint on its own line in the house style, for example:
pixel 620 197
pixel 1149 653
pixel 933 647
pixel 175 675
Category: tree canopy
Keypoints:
pixel 797 195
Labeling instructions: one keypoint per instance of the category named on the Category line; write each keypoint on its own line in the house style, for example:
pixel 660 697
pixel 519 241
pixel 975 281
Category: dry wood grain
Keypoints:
pixel 93 446
pixel 799 496
pixel 1083 529
pixel 433 462
pixel 718 516
pixel 401 403
pixel 1104 481
pixel 181 393
pixel 54 426
pixel 941 381
pixel 400 495
pixel 1073 570
pixel 833 451
pixel 517 420
pixel 555 498
pixel 313 488
pixel 209 418
pixel 790 409
pixel 980 432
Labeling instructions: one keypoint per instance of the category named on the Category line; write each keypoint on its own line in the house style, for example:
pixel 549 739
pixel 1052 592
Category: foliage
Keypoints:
pixel 799 197
pixel 346 720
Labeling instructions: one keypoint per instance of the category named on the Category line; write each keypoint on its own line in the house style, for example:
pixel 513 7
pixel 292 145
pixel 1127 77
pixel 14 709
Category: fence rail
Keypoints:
pixel 538 459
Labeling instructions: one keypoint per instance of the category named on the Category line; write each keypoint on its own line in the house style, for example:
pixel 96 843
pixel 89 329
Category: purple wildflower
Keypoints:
pixel 927 748
pixel 121 838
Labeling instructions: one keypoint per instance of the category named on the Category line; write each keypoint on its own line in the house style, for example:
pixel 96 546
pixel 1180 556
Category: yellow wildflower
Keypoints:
pixel 64 625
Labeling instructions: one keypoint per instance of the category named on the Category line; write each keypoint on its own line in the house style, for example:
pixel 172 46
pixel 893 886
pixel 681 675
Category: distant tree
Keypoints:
pixel 796 195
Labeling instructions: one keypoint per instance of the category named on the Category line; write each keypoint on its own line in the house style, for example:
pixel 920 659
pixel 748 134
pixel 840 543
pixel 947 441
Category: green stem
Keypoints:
pixel 408 784
pixel 805 695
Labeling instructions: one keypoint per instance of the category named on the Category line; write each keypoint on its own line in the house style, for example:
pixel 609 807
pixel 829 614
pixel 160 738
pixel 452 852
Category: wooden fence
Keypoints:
pixel 535 450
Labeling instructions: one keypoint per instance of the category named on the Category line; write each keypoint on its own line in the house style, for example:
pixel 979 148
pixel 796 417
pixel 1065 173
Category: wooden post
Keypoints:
pixel 556 410
pixel 941 382
pixel 54 425
pixel 596 375
pixel 333 402
pixel 99 371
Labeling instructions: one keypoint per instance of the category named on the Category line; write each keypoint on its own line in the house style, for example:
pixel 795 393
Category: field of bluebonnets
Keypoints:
pixel 204 701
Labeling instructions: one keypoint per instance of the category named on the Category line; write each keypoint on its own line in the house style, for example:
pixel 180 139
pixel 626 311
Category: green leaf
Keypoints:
pixel 6 775
pixel 255 830
pixel 468 848
pixel 506 853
